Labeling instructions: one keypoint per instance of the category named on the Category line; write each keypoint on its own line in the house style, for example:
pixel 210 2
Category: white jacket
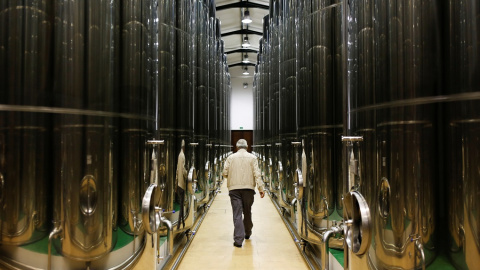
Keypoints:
pixel 181 171
pixel 241 170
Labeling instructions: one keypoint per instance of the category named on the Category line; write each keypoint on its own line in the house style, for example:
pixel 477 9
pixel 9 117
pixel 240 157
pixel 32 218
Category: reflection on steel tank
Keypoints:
pixel 273 84
pixel 397 132
pixel 165 83
pixel 287 113
pixel 463 126
pixel 200 113
pixel 136 99
pixel 25 70
pixel 85 143
pixel 64 99
pixel 323 120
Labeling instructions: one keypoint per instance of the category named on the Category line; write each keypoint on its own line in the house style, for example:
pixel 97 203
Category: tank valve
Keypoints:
pixel 56 232
pixel 418 248
pixel 358 223
pixel 153 217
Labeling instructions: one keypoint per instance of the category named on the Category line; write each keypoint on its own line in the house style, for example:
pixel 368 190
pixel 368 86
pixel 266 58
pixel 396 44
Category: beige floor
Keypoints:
pixel 270 246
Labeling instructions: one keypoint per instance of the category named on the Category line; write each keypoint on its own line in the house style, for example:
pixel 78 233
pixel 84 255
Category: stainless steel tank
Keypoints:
pixel 214 99
pixel 287 100
pixel 137 102
pixel 273 84
pixel 263 117
pixel 186 53
pixel 185 59
pixel 165 70
pixel 360 157
pixel 302 45
pixel 404 133
pixel 25 135
pixel 397 131
pixel 72 72
pixel 89 86
pixel 462 127
pixel 86 136
pixel 201 92
pixel 322 100
pixel 256 89
pixel 136 98
pixel 222 102
pixel 225 101
pixel 218 96
pixel 211 94
pixel 228 104
pixel 228 98
pixel 267 101
pixel 173 75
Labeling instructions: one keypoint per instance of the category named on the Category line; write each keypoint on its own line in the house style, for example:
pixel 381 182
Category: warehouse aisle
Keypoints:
pixel 270 246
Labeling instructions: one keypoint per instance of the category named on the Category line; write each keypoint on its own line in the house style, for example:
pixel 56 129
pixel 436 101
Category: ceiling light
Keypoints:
pixel 245 71
pixel 245 85
pixel 245 43
pixel 245 59
pixel 246 17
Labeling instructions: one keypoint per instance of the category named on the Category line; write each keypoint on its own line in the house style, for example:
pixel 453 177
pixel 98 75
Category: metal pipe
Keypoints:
pixel 169 234
pixel 419 248
pixel 326 237
pixel 56 231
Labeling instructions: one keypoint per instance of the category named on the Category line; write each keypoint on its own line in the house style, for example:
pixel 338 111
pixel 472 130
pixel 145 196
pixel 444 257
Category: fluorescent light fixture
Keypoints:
pixel 245 44
pixel 246 17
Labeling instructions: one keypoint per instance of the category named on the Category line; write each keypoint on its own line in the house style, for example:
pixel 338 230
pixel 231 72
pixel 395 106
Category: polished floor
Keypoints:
pixel 269 247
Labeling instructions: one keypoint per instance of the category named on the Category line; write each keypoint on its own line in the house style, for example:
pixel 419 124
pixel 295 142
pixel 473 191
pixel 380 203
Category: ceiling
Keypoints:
pixel 230 14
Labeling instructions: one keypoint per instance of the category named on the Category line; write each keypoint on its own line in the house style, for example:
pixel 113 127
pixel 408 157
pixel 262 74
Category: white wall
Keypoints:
pixel 242 102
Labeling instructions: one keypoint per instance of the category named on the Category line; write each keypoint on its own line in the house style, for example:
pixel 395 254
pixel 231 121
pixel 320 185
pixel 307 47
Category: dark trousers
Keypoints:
pixel 242 201
pixel 181 198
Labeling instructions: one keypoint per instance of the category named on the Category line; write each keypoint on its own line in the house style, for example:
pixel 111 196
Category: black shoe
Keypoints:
pixel 237 245
pixel 247 236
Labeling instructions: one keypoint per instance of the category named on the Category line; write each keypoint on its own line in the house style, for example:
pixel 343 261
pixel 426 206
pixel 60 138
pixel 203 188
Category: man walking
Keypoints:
pixel 241 170
pixel 181 176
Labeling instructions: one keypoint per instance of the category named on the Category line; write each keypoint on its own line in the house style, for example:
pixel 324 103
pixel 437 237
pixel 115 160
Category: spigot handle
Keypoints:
pixel 149 210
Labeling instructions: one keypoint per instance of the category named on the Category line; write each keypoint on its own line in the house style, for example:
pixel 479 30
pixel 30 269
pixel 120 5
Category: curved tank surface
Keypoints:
pixel 462 129
pixel 25 134
pixel 98 97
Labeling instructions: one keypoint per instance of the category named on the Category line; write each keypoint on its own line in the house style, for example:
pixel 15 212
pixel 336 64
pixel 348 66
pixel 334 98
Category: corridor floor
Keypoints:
pixel 269 247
